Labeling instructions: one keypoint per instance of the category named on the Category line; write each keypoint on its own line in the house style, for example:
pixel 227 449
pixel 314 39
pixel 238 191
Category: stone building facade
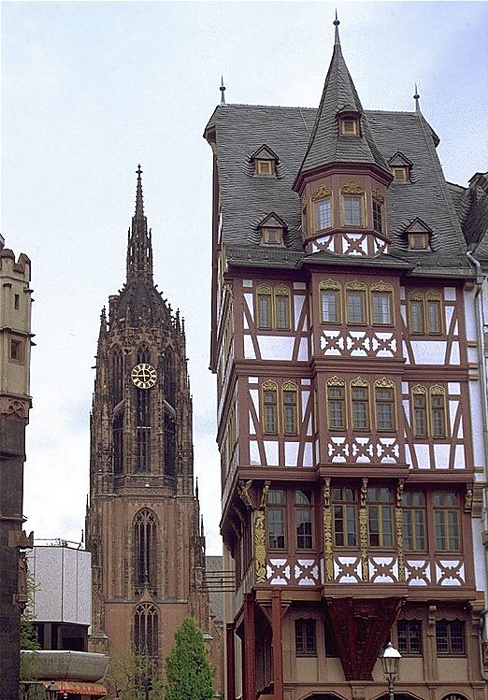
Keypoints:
pixel 15 403
pixel 143 522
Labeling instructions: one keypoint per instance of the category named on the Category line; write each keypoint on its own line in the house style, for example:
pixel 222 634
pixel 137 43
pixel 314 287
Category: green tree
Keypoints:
pixel 188 672
pixel 133 676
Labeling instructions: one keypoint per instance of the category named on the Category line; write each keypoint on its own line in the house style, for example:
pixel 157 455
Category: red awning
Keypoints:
pixel 79 688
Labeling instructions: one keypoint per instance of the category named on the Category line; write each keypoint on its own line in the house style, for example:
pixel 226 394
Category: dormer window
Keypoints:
pixel 264 167
pixel 348 118
pixel 322 208
pixel 401 167
pixel 418 235
pixel 272 229
pixel 272 235
pixel 265 161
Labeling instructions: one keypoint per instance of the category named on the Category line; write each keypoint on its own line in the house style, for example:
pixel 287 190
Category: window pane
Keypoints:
pixel 385 414
pixel 416 316
pixel 330 306
pixel 323 214
pixel 356 312
pixel 276 528
pixel 264 310
pixel 419 415
pixel 352 211
pixel 434 317
pixel 382 308
pixel 282 311
pixel 377 217
pixel 303 518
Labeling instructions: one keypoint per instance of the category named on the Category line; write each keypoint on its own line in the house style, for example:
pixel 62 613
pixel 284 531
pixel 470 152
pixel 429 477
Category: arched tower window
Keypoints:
pixel 143 419
pixel 145 550
pixel 169 445
pixel 116 375
pixel 169 377
pixel 118 442
pixel 146 630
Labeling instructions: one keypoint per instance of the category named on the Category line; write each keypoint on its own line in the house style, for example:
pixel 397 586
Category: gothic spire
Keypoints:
pixel 339 100
pixel 139 246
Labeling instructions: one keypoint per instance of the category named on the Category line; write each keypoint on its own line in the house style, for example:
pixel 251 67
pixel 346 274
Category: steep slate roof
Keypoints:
pixel 247 198
pixel 472 205
pixel 326 146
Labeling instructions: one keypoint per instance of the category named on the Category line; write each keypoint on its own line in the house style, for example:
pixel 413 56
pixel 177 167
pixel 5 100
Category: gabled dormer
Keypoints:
pixel 343 178
pixel 272 229
pixel 265 161
pixel 401 167
pixel 418 235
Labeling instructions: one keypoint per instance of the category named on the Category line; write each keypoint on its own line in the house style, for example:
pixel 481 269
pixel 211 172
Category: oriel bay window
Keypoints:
pixel 304 519
pixel 385 405
pixel 345 505
pixel 447 521
pixel 380 517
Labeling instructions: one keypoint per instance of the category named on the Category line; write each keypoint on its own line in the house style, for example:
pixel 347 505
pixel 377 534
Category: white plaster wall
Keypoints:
pixel 429 352
pixel 479 556
pixel 274 347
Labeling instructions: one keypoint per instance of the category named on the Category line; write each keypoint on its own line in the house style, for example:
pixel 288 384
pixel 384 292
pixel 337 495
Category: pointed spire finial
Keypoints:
pixel 222 91
pixel 336 23
pixel 416 97
pixel 139 246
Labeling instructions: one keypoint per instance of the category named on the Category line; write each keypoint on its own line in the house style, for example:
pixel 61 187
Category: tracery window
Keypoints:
pixel 169 445
pixel 117 375
pixel 145 550
pixel 146 630
pixel 169 376
pixel 118 442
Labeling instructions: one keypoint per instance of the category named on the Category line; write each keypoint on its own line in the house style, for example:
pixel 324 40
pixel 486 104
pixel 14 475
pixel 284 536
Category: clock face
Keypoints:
pixel 144 376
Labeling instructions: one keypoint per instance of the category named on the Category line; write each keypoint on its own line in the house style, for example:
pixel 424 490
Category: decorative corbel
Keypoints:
pixel 244 489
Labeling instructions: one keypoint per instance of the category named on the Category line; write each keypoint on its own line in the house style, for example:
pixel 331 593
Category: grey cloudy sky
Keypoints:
pixel 91 89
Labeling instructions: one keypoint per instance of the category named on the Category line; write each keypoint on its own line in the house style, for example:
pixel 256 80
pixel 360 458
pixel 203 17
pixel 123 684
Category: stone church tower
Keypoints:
pixel 143 520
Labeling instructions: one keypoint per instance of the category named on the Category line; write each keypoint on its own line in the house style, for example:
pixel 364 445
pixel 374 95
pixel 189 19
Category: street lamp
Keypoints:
pixel 390 662
pixel 52 691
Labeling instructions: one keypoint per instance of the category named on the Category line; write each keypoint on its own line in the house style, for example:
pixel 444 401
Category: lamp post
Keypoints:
pixel 390 662
pixel 52 691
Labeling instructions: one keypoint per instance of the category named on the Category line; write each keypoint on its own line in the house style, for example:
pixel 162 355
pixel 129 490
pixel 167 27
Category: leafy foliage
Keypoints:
pixel 188 672
pixel 133 677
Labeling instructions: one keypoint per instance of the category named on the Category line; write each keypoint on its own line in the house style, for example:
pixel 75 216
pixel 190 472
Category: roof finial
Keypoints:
pixel 139 246
pixel 139 200
pixel 222 91
pixel 416 97
pixel 336 23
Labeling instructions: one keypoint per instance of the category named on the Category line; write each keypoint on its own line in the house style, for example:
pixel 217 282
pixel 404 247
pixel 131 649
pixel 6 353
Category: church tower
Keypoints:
pixel 143 521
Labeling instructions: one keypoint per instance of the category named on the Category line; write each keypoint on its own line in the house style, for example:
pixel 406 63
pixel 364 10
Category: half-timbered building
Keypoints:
pixel 347 353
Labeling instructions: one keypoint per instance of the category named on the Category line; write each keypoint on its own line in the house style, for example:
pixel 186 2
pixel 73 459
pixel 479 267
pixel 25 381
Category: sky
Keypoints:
pixel 91 89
